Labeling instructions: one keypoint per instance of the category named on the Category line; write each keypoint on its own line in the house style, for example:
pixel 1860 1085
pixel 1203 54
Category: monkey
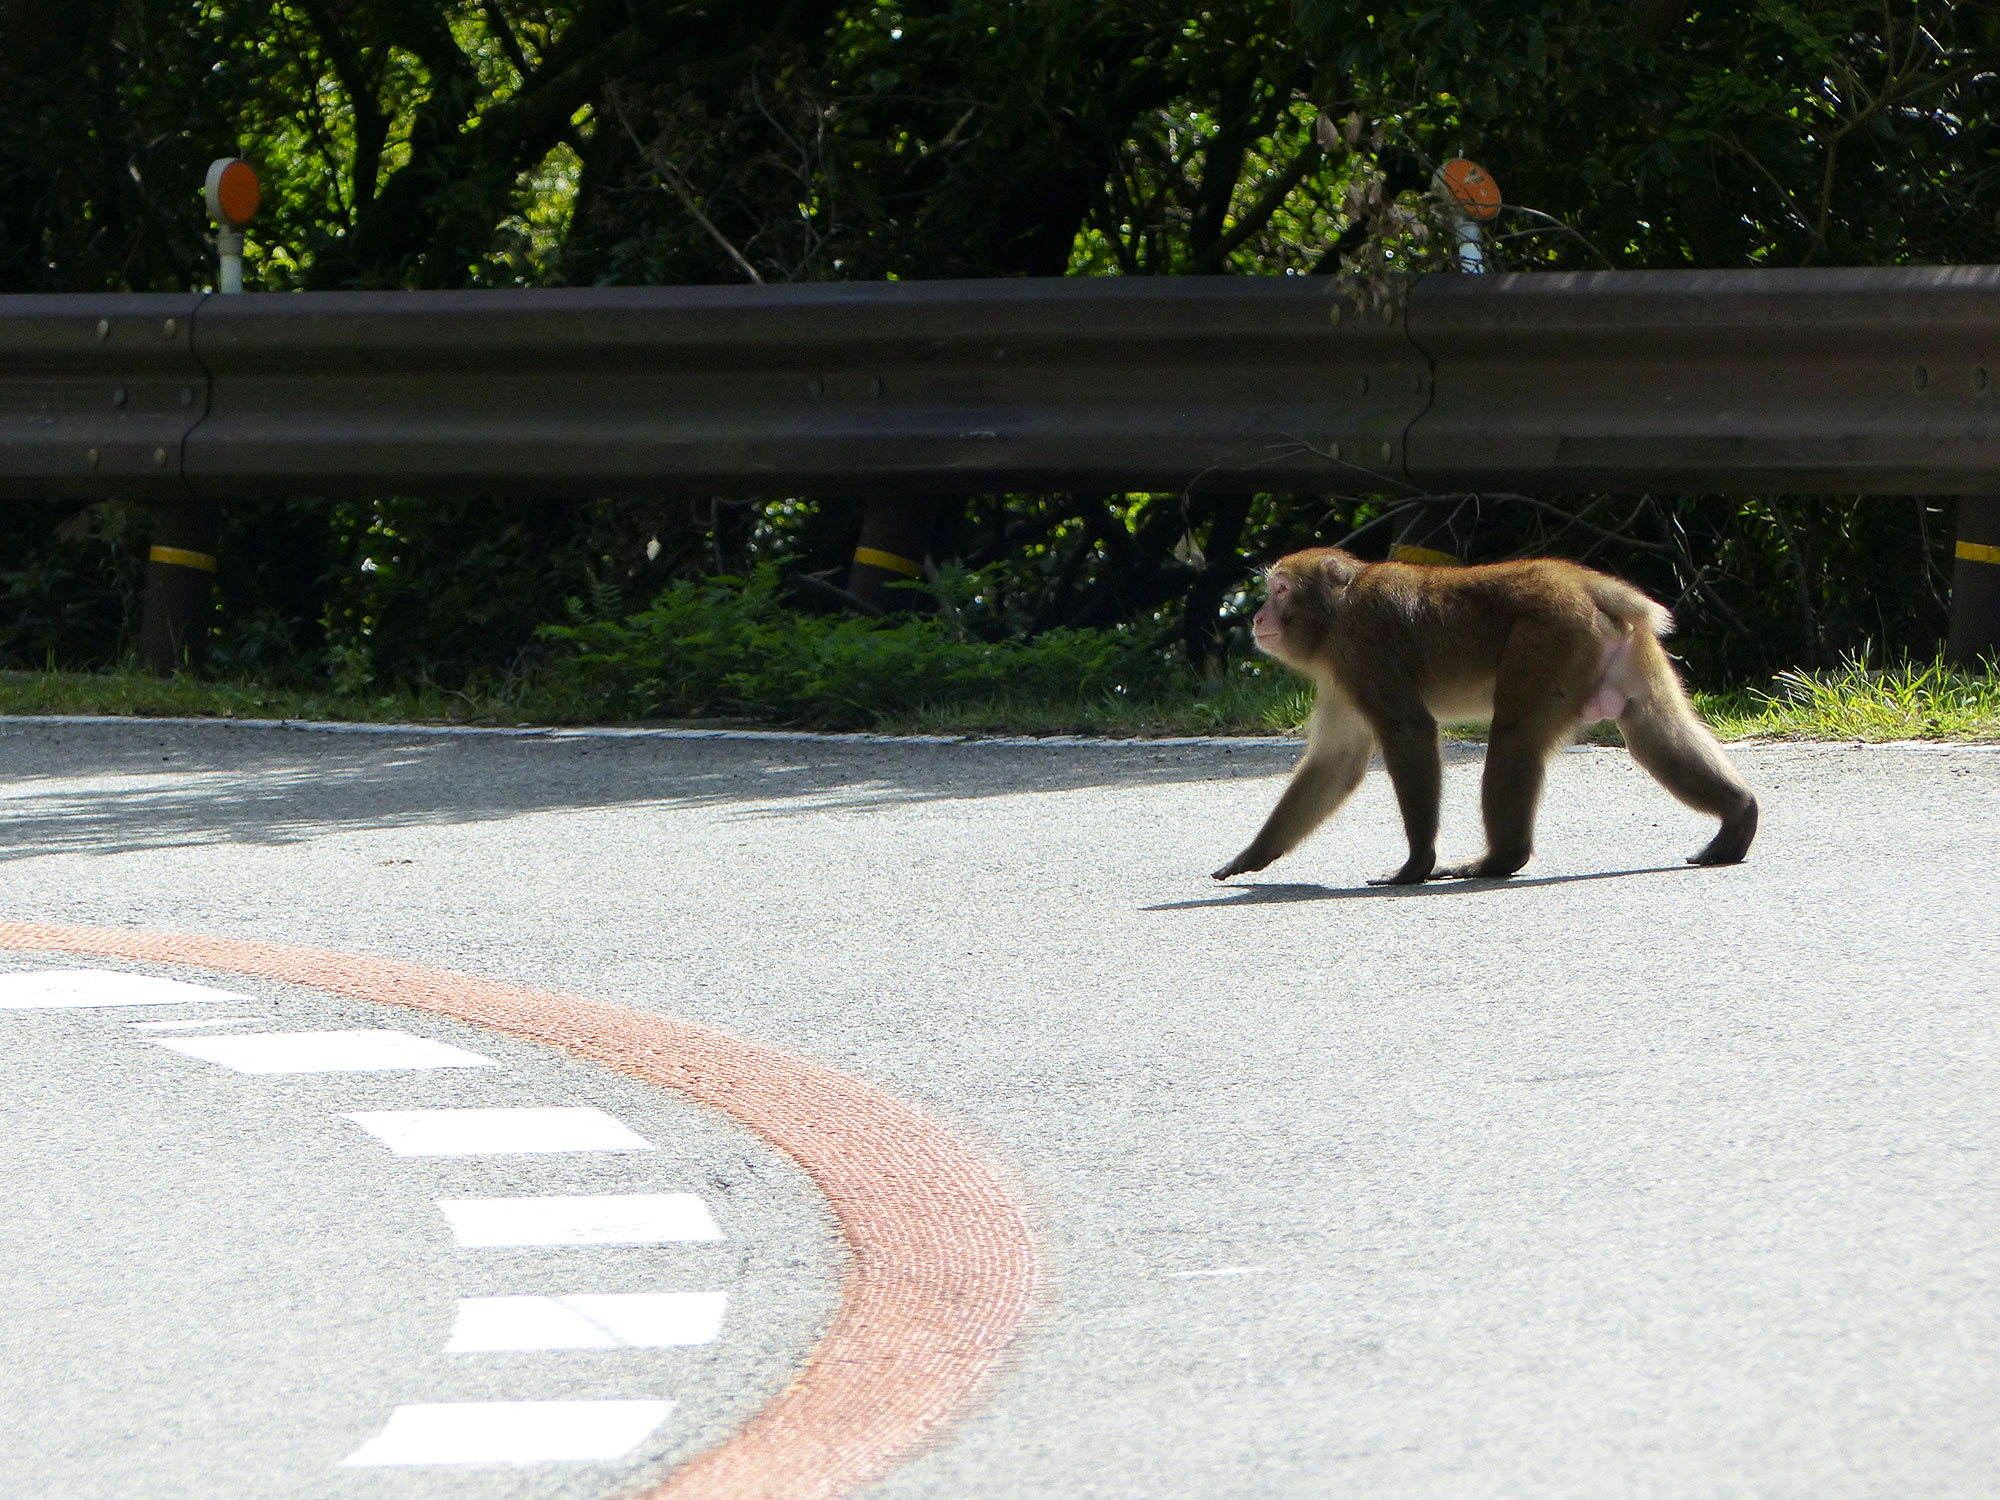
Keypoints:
pixel 1543 646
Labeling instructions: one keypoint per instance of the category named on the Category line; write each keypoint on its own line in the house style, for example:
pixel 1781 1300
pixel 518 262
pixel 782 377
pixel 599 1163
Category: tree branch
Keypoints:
pixel 1268 203
pixel 371 123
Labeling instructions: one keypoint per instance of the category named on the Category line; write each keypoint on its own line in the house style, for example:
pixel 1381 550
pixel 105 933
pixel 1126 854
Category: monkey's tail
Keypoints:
pixel 1629 607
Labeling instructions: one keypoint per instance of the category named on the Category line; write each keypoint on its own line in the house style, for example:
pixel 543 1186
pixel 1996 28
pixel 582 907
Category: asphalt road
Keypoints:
pixel 1620 1178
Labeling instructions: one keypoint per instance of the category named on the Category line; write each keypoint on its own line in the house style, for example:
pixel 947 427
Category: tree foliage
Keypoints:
pixel 412 143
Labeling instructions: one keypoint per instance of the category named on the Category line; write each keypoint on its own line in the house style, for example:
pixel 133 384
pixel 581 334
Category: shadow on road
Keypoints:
pixel 1266 895
pixel 119 787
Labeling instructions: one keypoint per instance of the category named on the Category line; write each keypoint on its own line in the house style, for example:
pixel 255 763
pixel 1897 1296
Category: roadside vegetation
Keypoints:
pixel 440 144
pixel 726 652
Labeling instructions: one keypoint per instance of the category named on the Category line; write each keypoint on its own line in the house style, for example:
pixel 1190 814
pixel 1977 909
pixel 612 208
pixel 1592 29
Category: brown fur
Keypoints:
pixel 1542 646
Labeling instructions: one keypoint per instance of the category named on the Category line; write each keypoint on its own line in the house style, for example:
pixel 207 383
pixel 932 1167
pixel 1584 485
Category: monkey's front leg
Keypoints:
pixel 1510 791
pixel 1291 820
pixel 1416 769
pixel 1336 758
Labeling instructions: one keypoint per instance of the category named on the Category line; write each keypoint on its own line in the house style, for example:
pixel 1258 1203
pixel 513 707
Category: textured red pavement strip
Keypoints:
pixel 941 1271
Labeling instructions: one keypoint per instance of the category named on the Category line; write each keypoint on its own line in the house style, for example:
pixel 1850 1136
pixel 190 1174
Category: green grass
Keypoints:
pixel 142 695
pixel 1926 701
pixel 1270 704
pixel 1914 701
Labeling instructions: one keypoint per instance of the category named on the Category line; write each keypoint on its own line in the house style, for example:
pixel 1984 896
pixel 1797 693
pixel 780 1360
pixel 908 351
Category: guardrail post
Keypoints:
pixel 1470 197
pixel 1430 534
pixel 233 191
pixel 180 574
pixel 895 536
pixel 180 569
pixel 1975 583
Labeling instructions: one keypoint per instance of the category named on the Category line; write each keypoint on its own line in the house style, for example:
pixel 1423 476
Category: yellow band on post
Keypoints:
pixel 1430 555
pixel 1978 552
pixel 888 562
pixel 180 557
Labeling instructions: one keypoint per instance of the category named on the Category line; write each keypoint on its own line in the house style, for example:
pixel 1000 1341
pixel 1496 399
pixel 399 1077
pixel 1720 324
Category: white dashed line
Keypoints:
pixel 77 989
pixel 610 1320
pixel 497 1132
pixel 613 1219
pixel 472 1432
pixel 510 1432
pixel 375 1051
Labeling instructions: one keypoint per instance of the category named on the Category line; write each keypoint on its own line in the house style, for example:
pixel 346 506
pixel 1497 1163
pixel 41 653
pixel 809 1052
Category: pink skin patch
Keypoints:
pixel 1610 697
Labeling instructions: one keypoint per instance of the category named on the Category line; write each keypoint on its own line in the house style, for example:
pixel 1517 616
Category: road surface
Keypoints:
pixel 1617 1178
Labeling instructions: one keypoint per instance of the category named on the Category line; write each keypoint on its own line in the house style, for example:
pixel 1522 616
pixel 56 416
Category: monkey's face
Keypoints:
pixel 1303 597
pixel 1269 623
pixel 1278 627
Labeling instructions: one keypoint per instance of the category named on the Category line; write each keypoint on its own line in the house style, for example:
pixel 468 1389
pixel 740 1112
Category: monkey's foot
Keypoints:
pixel 1486 867
pixel 1732 842
pixel 1412 873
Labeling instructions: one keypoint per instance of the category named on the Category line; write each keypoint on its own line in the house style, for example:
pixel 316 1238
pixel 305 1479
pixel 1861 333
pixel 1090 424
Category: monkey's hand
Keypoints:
pixel 1244 863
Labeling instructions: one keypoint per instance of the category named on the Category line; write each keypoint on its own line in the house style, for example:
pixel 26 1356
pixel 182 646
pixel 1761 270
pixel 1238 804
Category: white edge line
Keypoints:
pixel 603 732
pixel 813 737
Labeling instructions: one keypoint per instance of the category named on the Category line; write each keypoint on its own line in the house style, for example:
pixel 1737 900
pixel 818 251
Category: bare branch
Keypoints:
pixel 1559 225
pixel 672 182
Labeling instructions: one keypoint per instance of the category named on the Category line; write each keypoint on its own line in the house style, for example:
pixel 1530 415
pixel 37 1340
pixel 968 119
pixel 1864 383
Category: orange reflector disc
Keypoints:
pixel 1472 187
pixel 233 193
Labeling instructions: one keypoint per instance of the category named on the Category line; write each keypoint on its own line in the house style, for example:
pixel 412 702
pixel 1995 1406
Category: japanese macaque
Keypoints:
pixel 1542 646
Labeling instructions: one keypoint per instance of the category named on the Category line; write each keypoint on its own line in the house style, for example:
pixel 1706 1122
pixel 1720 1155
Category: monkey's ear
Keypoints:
pixel 1340 568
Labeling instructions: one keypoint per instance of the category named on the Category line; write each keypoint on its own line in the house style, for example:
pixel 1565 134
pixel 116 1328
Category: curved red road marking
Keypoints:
pixel 941 1271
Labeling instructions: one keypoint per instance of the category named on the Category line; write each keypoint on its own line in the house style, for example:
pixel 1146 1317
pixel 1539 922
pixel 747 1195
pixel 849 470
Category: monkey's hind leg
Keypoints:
pixel 1675 748
pixel 1529 721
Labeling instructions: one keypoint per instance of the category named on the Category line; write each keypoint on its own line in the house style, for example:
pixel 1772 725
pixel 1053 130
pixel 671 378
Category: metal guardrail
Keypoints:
pixel 1837 381
pixel 838 389
pixel 98 395
pixel 1870 381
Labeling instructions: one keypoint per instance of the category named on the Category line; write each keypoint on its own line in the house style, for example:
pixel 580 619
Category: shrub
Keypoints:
pixel 732 646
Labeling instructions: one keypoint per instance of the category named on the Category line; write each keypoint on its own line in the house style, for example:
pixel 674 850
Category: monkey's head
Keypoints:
pixel 1301 602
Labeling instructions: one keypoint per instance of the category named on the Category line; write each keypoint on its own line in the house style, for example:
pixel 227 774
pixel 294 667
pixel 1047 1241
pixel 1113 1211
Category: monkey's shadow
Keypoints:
pixel 1261 895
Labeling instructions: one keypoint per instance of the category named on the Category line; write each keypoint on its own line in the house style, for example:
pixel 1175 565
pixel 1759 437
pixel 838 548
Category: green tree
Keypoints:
pixel 1771 133
pixel 476 143
pixel 105 136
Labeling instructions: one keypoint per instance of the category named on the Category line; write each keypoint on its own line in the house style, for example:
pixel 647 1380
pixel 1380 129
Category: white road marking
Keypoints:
pixel 76 989
pixel 325 1052
pixel 608 1320
pixel 496 1132
pixel 612 1219
pixel 510 1432
pixel 1216 1271
pixel 477 1432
